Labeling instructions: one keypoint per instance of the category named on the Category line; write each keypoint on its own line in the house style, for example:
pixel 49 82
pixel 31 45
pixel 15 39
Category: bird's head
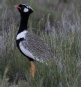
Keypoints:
pixel 24 9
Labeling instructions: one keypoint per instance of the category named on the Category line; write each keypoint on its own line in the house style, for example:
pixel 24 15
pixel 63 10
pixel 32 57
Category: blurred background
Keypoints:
pixel 58 23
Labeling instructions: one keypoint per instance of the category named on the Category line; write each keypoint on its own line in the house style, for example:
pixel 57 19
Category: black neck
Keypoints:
pixel 23 24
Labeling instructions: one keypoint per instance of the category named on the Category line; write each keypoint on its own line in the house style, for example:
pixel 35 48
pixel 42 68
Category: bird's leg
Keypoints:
pixel 32 69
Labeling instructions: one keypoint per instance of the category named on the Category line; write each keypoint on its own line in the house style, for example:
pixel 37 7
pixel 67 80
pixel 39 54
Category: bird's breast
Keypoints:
pixel 21 35
pixel 25 51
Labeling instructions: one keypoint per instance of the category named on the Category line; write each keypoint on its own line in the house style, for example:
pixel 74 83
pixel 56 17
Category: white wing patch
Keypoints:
pixel 21 35
pixel 25 51
pixel 26 10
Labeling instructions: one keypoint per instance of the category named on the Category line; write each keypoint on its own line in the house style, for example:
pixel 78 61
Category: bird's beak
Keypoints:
pixel 17 6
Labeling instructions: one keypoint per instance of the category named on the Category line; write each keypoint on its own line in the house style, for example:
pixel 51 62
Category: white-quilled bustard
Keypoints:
pixel 29 44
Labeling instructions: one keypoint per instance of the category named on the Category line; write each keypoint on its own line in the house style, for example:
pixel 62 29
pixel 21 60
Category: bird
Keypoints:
pixel 29 44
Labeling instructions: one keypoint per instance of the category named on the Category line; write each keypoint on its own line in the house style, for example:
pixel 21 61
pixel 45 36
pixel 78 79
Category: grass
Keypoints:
pixel 65 72
pixel 59 25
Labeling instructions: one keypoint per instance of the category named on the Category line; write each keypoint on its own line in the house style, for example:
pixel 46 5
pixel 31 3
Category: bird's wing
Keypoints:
pixel 36 47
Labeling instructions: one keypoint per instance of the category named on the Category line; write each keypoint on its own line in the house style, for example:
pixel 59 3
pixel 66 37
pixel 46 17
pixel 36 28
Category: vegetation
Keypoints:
pixel 58 23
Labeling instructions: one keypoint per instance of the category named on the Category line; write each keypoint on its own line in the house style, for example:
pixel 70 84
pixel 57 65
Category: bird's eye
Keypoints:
pixel 26 10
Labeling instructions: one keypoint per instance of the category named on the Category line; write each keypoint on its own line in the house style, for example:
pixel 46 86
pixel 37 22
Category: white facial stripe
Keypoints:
pixel 21 35
pixel 25 51
pixel 29 7
pixel 26 10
